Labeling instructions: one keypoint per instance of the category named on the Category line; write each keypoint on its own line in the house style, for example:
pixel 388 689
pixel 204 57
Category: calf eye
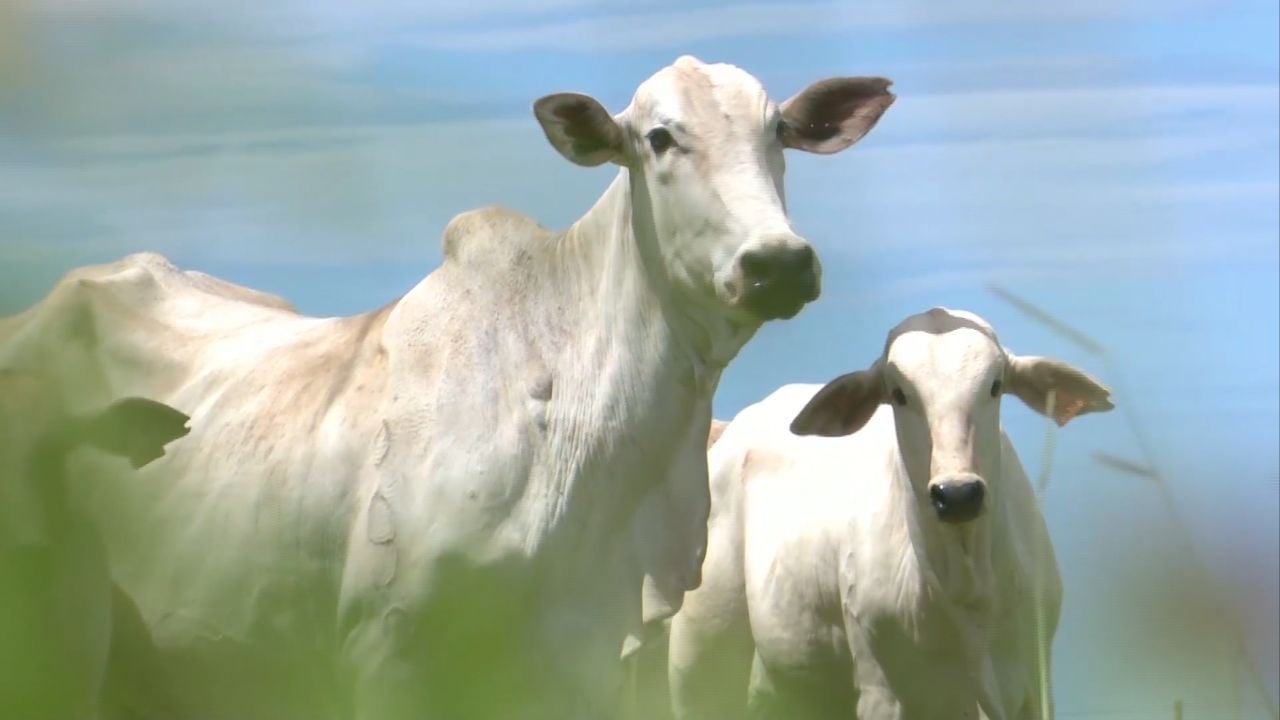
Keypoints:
pixel 660 140
pixel 995 388
pixel 899 397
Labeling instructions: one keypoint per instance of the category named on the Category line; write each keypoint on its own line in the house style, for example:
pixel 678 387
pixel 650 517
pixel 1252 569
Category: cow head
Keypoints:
pixel 703 144
pixel 944 373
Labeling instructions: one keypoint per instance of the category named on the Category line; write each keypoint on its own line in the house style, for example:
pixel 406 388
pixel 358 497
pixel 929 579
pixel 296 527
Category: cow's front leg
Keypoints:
pixel 385 682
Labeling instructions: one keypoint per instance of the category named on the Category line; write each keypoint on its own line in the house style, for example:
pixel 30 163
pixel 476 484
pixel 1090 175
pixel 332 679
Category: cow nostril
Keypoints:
pixel 801 259
pixel 760 267
pixel 778 279
pixel 757 268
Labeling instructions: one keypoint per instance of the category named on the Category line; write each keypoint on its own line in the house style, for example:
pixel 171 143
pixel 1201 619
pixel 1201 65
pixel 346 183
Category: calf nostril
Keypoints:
pixel 957 501
pixel 938 496
pixel 976 493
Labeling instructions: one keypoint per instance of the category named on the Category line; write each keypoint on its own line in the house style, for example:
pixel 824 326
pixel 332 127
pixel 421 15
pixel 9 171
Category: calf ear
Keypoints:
pixel 830 115
pixel 842 406
pixel 1031 378
pixel 579 128
pixel 136 428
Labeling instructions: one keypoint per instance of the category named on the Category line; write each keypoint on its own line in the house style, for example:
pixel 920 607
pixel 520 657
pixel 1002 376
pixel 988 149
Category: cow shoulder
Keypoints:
pixel 492 235
pixel 139 289
pixel 758 436
pixel 768 421
pixel 239 293
pixel 136 325
pixel 151 273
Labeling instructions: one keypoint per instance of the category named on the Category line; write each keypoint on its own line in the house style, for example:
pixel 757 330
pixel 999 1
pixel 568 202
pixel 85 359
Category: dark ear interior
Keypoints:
pixel 842 406
pixel 830 115
pixel 579 128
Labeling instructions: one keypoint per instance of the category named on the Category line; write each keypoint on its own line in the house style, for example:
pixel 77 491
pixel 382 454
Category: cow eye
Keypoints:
pixel 780 129
pixel 899 397
pixel 660 140
pixel 995 388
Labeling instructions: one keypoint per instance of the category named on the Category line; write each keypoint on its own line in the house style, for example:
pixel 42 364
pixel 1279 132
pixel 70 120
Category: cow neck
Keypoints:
pixel 956 571
pixel 636 367
pixel 617 240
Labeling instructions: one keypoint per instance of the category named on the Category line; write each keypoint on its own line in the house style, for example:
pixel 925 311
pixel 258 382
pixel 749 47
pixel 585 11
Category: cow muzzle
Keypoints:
pixel 779 277
pixel 958 498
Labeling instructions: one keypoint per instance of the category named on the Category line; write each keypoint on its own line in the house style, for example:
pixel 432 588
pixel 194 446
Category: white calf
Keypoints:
pixel 876 543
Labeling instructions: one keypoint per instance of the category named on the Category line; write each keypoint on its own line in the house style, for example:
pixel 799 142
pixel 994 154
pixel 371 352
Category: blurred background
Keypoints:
pixel 1112 163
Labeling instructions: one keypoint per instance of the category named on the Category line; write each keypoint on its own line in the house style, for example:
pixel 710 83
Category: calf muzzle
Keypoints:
pixel 958 498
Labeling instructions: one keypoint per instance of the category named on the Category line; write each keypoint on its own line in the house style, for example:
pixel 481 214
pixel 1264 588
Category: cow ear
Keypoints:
pixel 579 128
pixel 136 428
pixel 1032 378
pixel 842 406
pixel 830 115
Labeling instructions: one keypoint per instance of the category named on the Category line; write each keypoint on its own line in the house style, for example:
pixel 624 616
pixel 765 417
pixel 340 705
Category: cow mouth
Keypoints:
pixel 780 300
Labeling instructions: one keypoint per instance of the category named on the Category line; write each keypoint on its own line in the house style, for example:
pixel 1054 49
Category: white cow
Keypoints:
pixel 60 616
pixel 461 495
pixel 875 547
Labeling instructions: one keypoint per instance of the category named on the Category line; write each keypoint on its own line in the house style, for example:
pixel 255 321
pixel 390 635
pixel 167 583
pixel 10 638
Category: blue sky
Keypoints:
pixel 1113 162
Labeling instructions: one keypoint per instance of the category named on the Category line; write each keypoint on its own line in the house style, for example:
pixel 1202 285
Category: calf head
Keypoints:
pixel 703 145
pixel 945 373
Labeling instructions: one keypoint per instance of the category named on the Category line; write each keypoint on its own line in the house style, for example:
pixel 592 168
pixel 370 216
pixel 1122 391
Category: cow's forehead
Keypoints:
pixel 945 340
pixel 692 92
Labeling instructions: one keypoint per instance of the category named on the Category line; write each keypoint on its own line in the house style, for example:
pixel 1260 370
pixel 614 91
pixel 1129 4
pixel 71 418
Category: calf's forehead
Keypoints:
pixel 939 320
pixel 703 96
pixel 954 357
